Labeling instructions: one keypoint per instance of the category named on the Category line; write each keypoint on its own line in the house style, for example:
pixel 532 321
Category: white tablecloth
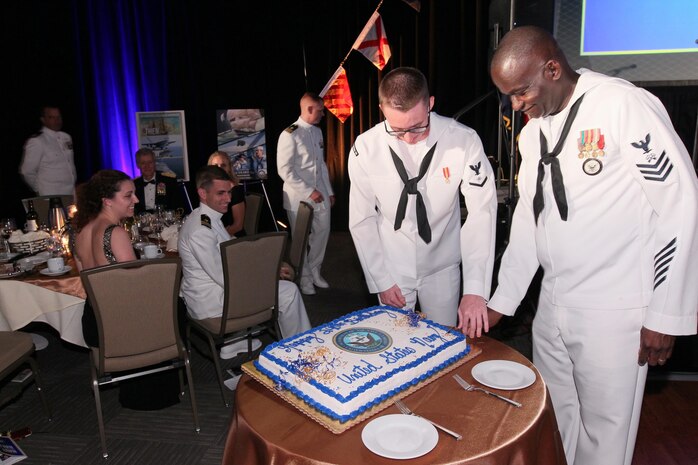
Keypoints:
pixel 22 303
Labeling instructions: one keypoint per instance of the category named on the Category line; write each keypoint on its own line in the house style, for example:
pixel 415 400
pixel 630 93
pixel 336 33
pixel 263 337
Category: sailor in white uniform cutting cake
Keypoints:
pixel 609 209
pixel 404 213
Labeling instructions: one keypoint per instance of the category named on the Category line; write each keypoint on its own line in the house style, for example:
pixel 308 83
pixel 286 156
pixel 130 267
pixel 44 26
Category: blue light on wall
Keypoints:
pixel 126 61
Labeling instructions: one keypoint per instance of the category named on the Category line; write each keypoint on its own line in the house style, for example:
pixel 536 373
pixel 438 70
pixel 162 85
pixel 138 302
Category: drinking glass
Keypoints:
pixel 156 226
pixel 7 225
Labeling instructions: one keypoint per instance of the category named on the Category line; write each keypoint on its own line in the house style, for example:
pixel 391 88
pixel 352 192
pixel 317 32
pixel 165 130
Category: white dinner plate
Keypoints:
pixel 503 374
pixel 399 436
pixel 46 272
pixel 14 274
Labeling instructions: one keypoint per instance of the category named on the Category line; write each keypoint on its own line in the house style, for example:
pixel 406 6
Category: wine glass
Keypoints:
pixel 156 226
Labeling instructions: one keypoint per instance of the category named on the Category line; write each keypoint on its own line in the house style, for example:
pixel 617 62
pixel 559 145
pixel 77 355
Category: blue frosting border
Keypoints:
pixel 359 316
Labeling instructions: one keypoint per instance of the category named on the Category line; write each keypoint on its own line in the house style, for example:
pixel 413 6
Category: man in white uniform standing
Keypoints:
pixel 300 160
pixel 404 212
pixel 202 267
pixel 608 208
pixel 48 166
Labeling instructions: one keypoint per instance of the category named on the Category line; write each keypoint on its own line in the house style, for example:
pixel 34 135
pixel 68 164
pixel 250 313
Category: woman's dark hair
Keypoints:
pixel 103 184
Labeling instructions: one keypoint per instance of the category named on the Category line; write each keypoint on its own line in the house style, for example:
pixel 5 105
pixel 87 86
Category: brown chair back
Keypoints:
pixel 251 279
pixel 135 305
pixel 253 211
pixel 299 240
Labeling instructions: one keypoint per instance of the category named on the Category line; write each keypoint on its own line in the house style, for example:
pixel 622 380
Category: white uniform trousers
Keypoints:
pixel 588 358
pixel 437 294
pixel 317 241
pixel 293 318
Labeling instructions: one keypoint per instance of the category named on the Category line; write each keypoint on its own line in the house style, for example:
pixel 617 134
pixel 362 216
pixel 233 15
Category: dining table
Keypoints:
pixel 265 429
pixel 56 300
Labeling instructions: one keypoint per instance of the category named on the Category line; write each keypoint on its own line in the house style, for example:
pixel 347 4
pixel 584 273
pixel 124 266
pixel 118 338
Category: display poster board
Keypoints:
pixel 242 136
pixel 164 132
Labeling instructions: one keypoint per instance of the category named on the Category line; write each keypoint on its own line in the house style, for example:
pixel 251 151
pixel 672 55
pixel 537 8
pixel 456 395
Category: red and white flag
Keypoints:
pixel 373 42
pixel 337 95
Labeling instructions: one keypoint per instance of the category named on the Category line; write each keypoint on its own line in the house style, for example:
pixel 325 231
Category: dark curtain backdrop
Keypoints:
pixel 199 56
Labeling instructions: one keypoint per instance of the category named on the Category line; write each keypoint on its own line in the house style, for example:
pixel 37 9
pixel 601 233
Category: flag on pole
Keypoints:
pixel 416 4
pixel 337 95
pixel 373 42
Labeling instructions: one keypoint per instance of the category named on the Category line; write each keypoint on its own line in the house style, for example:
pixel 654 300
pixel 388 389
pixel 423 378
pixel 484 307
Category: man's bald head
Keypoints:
pixel 523 45
pixel 530 67
pixel 312 108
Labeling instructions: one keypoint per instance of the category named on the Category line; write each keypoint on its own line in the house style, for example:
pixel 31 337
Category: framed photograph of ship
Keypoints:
pixel 241 135
pixel 165 133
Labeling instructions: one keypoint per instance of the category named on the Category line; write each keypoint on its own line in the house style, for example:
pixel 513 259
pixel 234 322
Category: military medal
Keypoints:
pixel 447 174
pixel 592 166
pixel 591 143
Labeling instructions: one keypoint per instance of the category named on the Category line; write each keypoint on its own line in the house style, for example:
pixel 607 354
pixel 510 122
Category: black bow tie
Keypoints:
pixel 550 158
pixel 152 181
pixel 411 189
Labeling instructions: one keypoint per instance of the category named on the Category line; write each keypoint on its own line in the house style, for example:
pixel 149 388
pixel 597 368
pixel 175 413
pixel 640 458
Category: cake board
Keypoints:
pixel 336 426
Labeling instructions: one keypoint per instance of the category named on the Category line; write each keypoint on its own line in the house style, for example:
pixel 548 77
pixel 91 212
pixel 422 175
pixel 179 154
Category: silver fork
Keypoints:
pixel 405 410
pixel 469 387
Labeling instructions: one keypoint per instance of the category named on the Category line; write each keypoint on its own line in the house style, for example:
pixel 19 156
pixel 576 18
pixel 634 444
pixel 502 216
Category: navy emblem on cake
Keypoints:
pixel 362 340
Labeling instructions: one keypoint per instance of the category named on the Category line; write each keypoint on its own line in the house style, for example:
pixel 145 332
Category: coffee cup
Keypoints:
pixel 151 251
pixel 55 264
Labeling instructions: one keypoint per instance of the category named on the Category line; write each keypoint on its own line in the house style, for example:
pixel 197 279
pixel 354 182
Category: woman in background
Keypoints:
pixel 233 220
pixel 103 201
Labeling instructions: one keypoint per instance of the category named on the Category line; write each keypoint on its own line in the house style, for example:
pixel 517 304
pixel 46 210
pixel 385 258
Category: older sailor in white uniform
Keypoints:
pixel 609 209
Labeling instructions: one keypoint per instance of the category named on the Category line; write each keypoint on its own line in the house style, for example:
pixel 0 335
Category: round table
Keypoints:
pixel 267 430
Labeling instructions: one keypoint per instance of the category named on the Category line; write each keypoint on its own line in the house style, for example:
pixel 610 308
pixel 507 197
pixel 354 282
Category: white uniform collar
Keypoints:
pixel 213 214
pixel 303 124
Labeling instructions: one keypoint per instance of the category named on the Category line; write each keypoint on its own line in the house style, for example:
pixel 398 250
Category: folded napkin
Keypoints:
pixel 169 231
pixel 172 243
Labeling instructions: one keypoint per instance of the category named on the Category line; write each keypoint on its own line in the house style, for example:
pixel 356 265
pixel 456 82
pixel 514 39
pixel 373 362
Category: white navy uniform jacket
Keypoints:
pixel 48 166
pixel 631 236
pixel 202 267
pixel 301 165
pixel 459 162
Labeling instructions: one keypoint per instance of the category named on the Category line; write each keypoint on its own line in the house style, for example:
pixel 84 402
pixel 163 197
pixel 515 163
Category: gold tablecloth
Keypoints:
pixel 267 430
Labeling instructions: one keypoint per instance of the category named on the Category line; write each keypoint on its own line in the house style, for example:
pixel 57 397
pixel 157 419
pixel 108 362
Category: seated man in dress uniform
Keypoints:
pixel 155 187
pixel 202 279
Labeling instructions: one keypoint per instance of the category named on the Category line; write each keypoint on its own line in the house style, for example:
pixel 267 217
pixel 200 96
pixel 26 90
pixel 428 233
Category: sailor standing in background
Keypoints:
pixel 300 159
pixel 48 166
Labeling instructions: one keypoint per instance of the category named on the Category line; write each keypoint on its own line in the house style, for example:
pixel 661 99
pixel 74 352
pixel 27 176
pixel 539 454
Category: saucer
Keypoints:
pixel 160 255
pixel 46 272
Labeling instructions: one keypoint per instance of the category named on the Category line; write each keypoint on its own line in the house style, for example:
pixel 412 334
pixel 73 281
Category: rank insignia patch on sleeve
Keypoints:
pixel 206 221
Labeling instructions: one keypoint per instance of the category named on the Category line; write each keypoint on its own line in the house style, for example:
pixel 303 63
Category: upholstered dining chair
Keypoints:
pixel 297 251
pixel 250 303
pixel 135 305
pixel 16 349
pixel 253 211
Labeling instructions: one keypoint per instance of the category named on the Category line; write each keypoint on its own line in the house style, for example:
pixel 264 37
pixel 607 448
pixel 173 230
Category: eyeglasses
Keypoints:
pixel 415 130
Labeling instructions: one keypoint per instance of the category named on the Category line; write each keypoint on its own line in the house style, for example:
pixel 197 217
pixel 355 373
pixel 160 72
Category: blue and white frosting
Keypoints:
pixel 348 365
